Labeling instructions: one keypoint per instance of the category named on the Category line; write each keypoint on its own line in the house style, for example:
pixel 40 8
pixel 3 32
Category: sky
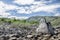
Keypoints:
pixel 23 9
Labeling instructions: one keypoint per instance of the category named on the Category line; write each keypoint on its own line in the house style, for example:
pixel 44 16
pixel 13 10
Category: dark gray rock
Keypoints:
pixel 4 37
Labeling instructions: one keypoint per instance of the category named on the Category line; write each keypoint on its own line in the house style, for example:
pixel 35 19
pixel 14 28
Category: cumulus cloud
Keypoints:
pixel 24 2
pixel 2 10
pixel 36 6
pixel 47 8
pixel 23 10
pixel 28 2
pixel 5 7
pixel 57 14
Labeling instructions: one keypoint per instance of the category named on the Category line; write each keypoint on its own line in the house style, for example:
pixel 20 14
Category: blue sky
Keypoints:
pixel 23 9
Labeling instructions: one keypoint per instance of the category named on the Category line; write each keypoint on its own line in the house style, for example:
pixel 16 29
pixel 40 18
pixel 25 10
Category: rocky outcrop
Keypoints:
pixel 45 27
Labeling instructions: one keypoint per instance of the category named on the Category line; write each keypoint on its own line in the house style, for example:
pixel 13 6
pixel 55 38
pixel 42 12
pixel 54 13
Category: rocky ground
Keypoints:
pixel 12 33
pixel 20 34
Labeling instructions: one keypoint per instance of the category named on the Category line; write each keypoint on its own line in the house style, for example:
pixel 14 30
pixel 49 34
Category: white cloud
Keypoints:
pixel 5 7
pixel 57 14
pixel 28 10
pixel 24 2
pixel 47 8
pixel 24 10
pixel 4 14
pixel 28 2
pixel 36 7
pixel 10 7
pixel 2 10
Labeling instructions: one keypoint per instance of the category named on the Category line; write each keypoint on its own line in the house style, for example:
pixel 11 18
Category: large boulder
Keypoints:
pixel 45 27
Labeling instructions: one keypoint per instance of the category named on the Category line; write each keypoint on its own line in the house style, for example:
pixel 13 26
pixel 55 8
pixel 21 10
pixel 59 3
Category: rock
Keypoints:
pixel 30 36
pixel 58 35
pixel 13 38
pixel 14 35
pixel 1 38
pixel 51 38
pixel 20 38
pixel 5 37
pixel 50 28
pixel 37 35
pixel 39 38
pixel 45 27
pixel 56 32
pixel 46 36
pixel 55 37
pixel 42 27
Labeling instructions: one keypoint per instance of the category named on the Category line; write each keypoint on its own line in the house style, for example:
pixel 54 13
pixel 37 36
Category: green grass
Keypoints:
pixel 17 23
pixel 25 23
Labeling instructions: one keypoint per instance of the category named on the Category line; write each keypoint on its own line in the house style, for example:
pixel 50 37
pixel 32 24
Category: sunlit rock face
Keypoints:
pixel 44 27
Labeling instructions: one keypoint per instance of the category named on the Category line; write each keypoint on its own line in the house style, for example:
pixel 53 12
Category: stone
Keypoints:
pixel 47 35
pixel 13 38
pixel 5 37
pixel 20 38
pixel 45 27
pixel 14 35
pixel 42 27
pixel 1 39
pixel 51 38
pixel 50 28
pixel 37 35
pixel 29 36
pixel 58 35
pixel 39 38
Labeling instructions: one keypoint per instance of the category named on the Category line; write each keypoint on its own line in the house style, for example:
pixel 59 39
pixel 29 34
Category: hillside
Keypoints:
pixel 55 20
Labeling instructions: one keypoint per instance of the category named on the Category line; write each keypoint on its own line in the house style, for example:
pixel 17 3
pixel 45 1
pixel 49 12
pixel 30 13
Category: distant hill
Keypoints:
pixel 55 20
